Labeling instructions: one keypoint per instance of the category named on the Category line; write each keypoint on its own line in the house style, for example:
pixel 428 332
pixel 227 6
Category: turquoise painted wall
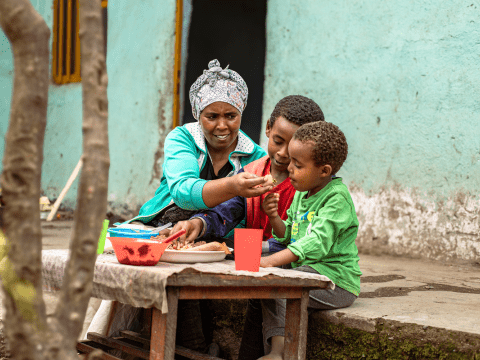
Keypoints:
pixel 6 73
pixel 400 78
pixel 140 93
pixel 63 138
pixel 140 64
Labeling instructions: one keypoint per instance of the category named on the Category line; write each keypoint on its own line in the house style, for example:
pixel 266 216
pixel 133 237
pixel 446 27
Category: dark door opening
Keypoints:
pixel 233 32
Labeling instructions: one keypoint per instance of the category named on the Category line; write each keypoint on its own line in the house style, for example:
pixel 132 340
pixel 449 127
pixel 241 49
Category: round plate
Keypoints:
pixel 190 256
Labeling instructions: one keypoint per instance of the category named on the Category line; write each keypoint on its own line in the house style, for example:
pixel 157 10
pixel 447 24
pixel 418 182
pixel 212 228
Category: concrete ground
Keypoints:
pixel 409 291
pixel 422 292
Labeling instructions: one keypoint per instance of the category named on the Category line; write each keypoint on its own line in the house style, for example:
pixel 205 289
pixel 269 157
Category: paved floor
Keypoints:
pixel 424 292
pixel 419 291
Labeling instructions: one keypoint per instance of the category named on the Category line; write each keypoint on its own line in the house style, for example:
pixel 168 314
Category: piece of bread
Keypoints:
pixel 269 180
pixel 213 246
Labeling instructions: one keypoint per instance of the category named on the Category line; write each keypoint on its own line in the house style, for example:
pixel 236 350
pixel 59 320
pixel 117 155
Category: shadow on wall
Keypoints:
pixel 234 33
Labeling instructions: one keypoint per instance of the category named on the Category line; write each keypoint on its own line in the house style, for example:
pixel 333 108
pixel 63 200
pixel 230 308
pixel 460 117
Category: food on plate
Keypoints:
pixel 187 246
pixel 158 237
pixel 195 246
pixel 202 246
pixel 213 246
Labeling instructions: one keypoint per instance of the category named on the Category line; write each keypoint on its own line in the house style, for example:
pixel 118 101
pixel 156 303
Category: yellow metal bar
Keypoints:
pixel 68 50
pixel 55 42
pixel 104 3
pixel 61 50
pixel 75 77
pixel 63 56
pixel 178 64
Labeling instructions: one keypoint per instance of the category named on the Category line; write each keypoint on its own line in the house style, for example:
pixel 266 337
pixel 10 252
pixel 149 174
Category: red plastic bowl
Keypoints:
pixel 132 251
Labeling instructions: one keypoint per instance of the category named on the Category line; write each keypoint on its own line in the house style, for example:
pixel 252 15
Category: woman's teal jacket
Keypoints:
pixel 185 155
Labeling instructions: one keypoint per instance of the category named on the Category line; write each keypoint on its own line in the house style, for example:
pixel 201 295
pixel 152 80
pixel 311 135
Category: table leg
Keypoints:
pixel 164 327
pixel 296 324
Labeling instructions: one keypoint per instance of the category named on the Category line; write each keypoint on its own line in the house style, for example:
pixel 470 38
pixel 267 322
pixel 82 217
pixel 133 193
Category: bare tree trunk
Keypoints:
pixel 92 192
pixel 29 334
pixel 22 164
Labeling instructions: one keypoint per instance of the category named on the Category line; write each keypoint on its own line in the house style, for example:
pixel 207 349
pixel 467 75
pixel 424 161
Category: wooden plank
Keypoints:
pixel 179 350
pixel 195 355
pixel 296 323
pixel 303 325
pixel 240 292
pixel 172 298
pixel 119 344
pixel 191 277
pixel 85 348
pixel 147 322
pixel 157 343
pixel 135 337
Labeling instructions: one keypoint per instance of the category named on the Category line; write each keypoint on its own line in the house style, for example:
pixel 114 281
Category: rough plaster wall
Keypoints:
pixel 402 81
pixel 63 134
pixel 402 222
pixel 6 82
pixel 140 70
pixel 139 63
pixel 63 141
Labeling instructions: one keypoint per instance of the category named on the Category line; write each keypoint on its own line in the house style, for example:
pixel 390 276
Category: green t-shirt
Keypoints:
pixel 321 231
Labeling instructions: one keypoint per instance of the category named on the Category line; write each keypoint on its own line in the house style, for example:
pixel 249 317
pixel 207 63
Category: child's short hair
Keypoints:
pixel 330 143
pixel 297 109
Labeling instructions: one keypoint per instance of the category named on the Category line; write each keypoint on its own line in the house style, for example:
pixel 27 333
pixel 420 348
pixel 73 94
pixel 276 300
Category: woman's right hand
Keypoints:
pixel 193 228
pixel 250 185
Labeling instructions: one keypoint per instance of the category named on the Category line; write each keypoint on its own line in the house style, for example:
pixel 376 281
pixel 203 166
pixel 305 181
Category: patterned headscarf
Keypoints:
pixel 217 84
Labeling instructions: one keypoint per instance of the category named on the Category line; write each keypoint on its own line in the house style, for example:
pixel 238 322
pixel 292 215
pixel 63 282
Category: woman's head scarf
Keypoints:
pixel 217 84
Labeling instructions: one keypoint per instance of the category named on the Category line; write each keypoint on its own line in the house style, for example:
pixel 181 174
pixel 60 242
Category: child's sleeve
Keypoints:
pixel 332 219
pixel 288 228
pixel 221 219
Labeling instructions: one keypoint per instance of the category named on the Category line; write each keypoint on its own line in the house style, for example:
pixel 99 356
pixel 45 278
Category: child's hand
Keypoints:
pixel 264 263
pixel 270 205
pixel 250 185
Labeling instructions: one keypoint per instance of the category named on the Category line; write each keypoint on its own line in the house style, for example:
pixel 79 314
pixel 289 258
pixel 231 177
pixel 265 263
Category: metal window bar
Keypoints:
pixel 66 41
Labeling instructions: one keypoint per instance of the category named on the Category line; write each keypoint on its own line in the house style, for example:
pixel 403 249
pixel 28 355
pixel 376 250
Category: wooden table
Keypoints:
pixel 194 284
pixel 214 286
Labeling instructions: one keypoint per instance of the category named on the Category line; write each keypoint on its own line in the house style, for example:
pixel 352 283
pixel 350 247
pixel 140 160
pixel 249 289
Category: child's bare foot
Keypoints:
pixel 272 356
pixel 278 345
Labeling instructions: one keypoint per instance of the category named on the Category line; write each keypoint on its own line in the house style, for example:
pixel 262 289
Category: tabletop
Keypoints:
pixel 144 286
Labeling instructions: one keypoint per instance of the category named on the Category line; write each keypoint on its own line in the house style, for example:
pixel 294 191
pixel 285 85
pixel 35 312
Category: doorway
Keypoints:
pixel 232 31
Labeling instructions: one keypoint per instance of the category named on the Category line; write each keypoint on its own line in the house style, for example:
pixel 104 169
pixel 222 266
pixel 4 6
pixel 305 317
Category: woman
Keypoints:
pixel 201 170
pixel 203 159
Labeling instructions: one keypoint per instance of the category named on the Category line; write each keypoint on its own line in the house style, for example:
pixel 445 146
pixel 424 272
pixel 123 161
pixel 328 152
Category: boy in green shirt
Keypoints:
pixel 320 230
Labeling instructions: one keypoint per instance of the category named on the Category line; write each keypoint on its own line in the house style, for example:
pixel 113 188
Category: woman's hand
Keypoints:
pixel 250 185
pixel 193 227
pixel 270 205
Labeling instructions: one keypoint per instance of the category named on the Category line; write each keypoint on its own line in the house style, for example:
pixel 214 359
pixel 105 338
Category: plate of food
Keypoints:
pixel 198 252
